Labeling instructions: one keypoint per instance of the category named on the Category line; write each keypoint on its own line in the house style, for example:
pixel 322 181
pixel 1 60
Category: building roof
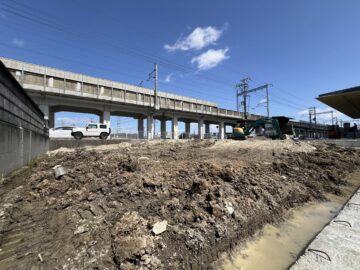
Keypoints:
pixel 346 101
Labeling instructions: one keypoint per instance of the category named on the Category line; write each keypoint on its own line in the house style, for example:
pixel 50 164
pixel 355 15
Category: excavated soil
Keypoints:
pixel 213 195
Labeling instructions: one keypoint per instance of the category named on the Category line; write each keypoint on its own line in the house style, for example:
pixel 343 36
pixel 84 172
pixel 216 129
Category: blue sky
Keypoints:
pixel 203 48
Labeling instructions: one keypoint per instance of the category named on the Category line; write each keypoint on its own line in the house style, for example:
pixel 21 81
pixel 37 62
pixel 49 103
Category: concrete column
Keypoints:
pixel 51 119
pixel 141 128
pixel 163 129
pixel 222 130
pixel 150 127
pixel 187 130
pixel 174 128
pixel 45 110
pixel 207 130
pixel 105 117
pixel 201 129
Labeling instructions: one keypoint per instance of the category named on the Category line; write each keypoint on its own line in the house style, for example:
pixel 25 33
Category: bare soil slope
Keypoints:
pixel 212 195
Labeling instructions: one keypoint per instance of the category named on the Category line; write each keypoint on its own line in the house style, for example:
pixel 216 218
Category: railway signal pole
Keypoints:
pixel 242 89
pixel 154 75
pixel 312 113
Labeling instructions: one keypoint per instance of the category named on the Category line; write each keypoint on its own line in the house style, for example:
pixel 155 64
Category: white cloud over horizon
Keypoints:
pixel 210 59
pixel 198 39
pixel 18 42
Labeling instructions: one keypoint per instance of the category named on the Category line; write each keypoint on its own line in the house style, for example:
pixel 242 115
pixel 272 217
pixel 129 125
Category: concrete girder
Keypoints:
pixel 64 108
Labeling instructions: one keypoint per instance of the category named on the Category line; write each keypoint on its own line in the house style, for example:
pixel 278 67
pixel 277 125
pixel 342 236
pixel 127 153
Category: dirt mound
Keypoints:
pixel 100 215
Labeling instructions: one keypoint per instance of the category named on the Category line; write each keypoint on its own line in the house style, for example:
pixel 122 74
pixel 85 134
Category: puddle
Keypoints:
pixel 278 246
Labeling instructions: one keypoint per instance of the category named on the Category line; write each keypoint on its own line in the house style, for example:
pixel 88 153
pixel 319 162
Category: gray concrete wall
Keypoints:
pixel 23 135
pixel 345 142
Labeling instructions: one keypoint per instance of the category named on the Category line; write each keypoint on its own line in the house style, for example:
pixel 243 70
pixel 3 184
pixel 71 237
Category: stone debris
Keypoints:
pixel 140 159
pixel 81 229
pixel 159 227
pixel 59 171
pixel 229 207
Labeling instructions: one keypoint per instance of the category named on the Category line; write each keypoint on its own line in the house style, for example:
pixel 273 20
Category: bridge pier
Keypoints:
pixel 150 127
pixel 201 129
pixel 141 128
pixel 207 131
pixel 105 117
pixel 174 128
pixel 49 115
pixel 221 130
pixel 187 129
pixel 163 129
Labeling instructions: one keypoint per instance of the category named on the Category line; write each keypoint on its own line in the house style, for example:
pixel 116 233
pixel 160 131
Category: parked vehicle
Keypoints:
pixel 60 132
pixel 92 130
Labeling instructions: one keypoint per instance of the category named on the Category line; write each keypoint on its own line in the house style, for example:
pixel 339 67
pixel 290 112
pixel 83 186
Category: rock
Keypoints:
pixel 140 159
pixel 229 208
pixel 81 229
pixel 59 171
pixel 159 227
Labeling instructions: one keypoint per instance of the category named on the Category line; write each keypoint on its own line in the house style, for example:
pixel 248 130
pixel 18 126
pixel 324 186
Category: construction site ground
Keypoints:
pixel 159 205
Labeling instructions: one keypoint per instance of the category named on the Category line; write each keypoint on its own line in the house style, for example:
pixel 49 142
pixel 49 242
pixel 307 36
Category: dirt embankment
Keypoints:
pixel 101 213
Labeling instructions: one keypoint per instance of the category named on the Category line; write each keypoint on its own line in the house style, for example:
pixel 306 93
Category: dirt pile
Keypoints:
pixel 100 215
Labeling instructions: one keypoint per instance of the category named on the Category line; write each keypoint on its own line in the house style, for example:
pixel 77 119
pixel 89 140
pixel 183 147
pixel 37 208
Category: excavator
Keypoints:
pixel 271 126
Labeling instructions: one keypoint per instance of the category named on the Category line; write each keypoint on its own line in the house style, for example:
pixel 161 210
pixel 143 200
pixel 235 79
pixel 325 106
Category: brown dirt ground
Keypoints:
pixel 212 194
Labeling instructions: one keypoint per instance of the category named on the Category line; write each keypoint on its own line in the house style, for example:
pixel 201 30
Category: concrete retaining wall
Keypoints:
pixel 345 142
pixel 23 135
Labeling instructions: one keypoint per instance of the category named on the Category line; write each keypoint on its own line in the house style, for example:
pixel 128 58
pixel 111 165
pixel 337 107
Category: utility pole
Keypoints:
pixel 312 112
pixel 315 123
pixel 156 86
pixel 244 87
pixel 332 115
pixel 267 101
pixel 154 75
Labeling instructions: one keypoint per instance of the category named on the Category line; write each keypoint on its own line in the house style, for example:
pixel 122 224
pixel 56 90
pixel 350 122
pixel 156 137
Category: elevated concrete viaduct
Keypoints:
pixel 57 90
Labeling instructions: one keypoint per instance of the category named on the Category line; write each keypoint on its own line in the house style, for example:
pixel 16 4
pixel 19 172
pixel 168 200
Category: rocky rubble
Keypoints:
pixel 158 206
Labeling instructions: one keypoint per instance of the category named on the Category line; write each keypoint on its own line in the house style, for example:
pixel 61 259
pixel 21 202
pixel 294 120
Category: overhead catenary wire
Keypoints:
pixel 53 24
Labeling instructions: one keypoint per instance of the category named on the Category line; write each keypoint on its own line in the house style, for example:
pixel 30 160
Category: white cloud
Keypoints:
pixel 262 101
pixel 169 78
pixel 210 58
pixel 18 42
pixel 199 38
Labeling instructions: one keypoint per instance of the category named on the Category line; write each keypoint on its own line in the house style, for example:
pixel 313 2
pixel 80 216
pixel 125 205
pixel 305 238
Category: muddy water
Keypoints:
pixel 277 247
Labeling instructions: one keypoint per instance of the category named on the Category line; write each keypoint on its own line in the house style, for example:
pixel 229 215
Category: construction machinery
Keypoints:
pixel 270 129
